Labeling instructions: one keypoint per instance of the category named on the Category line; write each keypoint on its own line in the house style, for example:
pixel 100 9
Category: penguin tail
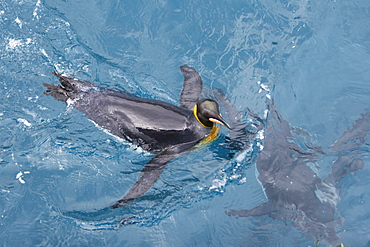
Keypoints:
pixel 61 92
pixel 67 82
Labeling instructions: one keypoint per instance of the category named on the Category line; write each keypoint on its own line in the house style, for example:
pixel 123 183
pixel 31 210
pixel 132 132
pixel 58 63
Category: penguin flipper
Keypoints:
pixel 152 171
pixel 192 87
pixel 353 137
pixel 346 144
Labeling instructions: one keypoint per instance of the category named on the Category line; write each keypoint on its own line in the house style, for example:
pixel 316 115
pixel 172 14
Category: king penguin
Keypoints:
pixel 158 127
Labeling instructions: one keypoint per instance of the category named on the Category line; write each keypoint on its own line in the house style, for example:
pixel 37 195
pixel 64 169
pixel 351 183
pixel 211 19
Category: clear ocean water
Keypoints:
pixel 59 172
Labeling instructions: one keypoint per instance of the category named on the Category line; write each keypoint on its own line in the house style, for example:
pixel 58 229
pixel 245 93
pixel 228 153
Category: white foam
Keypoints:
pixel 217 184
pixel 70 102
pixel 260 146
pixel 19 22
pixel 35 15
pixel 241 156
pixel 44 53
pixel 260 134
pixel 42 107
pixel 24 121
pixel 13 43
pixel 19 176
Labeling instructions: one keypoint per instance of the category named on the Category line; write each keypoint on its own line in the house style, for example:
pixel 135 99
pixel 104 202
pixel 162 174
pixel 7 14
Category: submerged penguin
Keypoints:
pixel 287 171
pixel 156 126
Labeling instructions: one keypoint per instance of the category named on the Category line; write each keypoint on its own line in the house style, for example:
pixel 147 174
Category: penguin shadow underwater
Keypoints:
pixel 294 190
pixel 160 128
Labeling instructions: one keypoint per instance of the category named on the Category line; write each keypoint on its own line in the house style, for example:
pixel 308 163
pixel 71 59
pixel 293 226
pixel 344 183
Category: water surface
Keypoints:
pixel 59 172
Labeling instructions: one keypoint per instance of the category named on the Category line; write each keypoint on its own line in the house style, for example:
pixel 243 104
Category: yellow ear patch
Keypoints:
pixel 195 111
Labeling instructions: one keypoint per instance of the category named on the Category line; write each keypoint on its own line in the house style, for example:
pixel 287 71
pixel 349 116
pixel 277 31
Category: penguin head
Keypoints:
pixel 207 113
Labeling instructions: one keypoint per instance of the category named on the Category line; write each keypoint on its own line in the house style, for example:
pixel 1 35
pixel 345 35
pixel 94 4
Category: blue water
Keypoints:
pixel 59 172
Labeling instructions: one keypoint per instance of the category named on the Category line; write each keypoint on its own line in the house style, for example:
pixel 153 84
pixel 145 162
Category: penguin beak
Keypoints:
pixel 220 120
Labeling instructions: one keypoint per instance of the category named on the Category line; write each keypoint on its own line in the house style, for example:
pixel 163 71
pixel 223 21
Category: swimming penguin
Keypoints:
pixel 156 126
